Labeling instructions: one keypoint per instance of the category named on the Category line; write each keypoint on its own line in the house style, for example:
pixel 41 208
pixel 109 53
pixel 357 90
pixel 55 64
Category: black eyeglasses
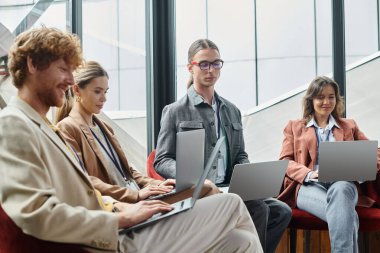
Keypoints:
pixel 205 65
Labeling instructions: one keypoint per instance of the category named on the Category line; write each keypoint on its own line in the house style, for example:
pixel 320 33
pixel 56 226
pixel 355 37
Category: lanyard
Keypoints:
pixel 218 116
pixel 319 137
pixel 110 153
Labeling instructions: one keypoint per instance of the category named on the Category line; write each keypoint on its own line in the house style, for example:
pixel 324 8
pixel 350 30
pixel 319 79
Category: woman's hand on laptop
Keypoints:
pixel 151 190
pixel 132 214
pixel 167 182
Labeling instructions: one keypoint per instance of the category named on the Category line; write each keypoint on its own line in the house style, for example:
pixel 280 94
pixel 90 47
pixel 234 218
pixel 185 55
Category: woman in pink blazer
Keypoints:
pixel 332 202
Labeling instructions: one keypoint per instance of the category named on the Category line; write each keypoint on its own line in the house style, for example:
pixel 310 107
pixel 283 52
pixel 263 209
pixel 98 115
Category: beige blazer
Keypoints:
pixel 43 189
pixel 78 134
pixel 300 148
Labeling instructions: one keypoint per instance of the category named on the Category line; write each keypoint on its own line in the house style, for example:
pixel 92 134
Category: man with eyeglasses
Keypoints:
pixel 202 107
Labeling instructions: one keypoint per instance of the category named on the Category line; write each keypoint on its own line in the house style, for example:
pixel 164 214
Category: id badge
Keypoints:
pixel 221 167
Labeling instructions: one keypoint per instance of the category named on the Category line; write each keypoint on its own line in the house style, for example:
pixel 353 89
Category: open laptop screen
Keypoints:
pixel 347 161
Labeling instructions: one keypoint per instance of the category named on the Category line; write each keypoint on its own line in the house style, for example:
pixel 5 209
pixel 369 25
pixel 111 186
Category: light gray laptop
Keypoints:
pixel 257 180
pixel 347 161
pixel 185 204
pixel 189 160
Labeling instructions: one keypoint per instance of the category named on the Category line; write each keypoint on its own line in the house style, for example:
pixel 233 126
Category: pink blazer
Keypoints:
pixel 300 148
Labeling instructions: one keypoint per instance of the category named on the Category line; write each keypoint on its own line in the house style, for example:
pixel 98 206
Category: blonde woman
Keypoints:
pixel 97 145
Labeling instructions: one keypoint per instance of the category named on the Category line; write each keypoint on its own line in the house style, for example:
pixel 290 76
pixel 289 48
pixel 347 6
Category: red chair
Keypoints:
pixel 13 240
pixel 150 168
pixel 369 221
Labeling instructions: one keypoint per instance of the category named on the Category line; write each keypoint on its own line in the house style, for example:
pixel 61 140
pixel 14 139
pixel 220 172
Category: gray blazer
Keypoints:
pixel 43 188
pixel 192 112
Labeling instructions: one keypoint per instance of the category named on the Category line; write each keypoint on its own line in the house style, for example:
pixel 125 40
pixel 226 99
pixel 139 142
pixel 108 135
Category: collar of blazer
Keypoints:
pixel 77 117
pixel 95 146
pixel 38 120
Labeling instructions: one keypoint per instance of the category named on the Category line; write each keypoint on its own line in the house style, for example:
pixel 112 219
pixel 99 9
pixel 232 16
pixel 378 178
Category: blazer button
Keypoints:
pixel 90 192
pixel 214 167
pixel 213 144
pixel 212 123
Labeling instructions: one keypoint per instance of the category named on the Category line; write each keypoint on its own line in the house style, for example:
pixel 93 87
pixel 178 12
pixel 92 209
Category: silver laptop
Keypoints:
pixel 347 161
pixel 185 204
pixel 189 160
pixel 257 180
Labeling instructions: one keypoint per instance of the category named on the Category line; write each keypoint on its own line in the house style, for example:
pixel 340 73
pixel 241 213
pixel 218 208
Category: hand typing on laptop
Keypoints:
pixel 132 214
pixel 151 190
pixel 168 182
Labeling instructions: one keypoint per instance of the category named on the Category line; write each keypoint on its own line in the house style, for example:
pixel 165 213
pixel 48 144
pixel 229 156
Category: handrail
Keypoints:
pixel 303 88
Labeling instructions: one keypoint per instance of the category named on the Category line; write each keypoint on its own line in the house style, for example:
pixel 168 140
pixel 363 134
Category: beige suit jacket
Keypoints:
pixel 43 189
pixel 78 134
pixel 300 148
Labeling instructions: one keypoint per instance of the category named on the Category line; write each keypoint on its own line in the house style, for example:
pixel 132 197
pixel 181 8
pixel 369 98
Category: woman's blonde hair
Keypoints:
pixel 82 77
pixel 314 89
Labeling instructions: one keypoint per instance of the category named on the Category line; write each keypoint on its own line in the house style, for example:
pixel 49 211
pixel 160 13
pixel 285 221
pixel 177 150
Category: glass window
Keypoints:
pixel 235 38
pixel 323 36
pixel 293 42
pixel 12 14
pixel 51 14
pixel 191 24
pixel 54 16
pixel 360 29
pixel 285 46
pixel 117 41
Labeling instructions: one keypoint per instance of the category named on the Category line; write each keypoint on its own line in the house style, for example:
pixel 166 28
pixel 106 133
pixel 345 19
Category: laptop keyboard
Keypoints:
pixel 162 195
pixel 177 206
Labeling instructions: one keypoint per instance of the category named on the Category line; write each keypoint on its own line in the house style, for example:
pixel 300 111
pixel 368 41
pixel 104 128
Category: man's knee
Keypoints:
pixel 284 211
pixel 257 208
pixel 280 213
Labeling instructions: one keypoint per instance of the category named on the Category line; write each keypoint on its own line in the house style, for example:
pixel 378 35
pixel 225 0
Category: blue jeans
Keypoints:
pixel 334 203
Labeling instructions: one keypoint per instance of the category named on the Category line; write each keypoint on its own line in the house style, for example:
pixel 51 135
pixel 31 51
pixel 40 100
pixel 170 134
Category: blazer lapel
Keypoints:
pixel 37 119
pixel 311 143
pixel 115 144
pixel 61 145
pixel 338 134
pixel 92 142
